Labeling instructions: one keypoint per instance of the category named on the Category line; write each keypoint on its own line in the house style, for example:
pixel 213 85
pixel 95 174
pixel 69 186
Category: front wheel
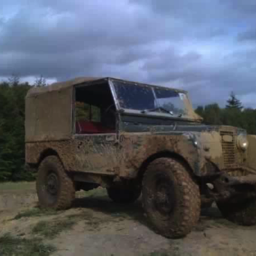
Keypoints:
pixel 171 198
pixel 55 189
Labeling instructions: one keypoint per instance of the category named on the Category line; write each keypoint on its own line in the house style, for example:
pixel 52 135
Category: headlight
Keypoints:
pixel 242 142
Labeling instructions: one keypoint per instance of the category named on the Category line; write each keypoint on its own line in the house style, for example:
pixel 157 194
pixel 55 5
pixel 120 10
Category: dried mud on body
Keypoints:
pixel 97 226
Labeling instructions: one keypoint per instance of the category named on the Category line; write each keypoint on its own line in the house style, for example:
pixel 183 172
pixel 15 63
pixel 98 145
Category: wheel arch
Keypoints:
pixel 45 153
pixel 167 154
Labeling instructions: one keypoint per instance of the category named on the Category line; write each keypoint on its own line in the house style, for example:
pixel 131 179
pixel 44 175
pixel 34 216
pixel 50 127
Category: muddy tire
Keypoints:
pixel 242 212
pixel 171 199
pixel 124 196
pixel 55 189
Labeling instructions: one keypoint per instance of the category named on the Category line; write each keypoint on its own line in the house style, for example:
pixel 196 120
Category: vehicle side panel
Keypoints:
pixel 65 149
pixel 251 152
pixel 49 116
pixel 102 154
pixel 92 154
pixel 135 148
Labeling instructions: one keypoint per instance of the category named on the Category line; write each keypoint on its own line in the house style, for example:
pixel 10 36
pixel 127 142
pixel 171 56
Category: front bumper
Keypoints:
pixel 243 180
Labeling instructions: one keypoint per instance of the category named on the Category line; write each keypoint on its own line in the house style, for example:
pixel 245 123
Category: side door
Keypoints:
pixel 96 153
pixel 95 131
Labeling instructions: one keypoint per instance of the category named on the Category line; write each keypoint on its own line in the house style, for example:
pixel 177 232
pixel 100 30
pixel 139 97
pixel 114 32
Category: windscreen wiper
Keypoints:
pixel 155 109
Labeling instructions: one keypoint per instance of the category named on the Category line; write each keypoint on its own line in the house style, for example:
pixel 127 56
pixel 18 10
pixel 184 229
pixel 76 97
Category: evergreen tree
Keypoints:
pixel 12 131
pixel 200 111
pixel 40 82
pixel 13 80
pixel 210 113
pixel 233 102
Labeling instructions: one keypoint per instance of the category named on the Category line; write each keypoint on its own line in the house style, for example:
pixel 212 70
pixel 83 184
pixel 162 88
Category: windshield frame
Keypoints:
pixel 186 102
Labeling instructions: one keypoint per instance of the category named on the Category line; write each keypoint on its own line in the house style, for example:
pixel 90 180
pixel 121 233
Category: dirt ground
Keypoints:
pixel 97 226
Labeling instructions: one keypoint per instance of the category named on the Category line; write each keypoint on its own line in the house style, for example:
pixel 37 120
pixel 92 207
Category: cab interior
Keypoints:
pixel 95 111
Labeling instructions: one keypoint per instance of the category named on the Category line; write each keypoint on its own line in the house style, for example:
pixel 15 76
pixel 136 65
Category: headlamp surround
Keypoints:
pixel 242 142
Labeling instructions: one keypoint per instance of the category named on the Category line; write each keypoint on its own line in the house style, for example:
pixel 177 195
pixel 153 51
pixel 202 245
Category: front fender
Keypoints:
pixel 251 152
pixel 137 148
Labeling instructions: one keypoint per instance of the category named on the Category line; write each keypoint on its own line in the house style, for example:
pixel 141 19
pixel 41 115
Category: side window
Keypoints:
pixel 82 111
pixel 87 112
pixel 94 110
pixel 95 114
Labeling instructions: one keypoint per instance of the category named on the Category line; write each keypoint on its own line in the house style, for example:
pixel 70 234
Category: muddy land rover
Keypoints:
pixel 133 139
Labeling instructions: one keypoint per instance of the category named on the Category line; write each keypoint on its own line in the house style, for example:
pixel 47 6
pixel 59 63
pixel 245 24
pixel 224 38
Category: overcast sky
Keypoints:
pixel 207 47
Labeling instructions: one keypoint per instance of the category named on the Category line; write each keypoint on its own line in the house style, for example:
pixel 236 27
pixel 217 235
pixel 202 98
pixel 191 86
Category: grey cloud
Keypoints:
pixel 242 7
pixel 72 33
pixel 186 43
pixel 249 35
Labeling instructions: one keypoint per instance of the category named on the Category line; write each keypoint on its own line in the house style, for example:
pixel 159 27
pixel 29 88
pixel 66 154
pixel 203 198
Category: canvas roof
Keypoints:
pixel 79 80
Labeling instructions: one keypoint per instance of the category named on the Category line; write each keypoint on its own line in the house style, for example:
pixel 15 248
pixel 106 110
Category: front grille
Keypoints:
pixel 228 149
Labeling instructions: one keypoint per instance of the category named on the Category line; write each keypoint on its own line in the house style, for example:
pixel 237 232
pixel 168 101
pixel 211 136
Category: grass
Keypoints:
pixel 17 186
pixel 94 224
pixel 35 212
pixel 15 246
pixel 97 192
pixel 51 229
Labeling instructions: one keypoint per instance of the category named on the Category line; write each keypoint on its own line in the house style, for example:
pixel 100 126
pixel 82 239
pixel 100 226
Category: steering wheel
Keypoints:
pixel 109 110
pixel 108 116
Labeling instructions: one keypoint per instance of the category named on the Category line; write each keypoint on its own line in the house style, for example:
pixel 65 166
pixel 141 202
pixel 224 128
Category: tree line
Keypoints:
pixel 12 127
pixel 233 114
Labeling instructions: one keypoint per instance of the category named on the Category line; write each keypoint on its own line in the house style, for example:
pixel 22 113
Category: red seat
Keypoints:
pixel 91 127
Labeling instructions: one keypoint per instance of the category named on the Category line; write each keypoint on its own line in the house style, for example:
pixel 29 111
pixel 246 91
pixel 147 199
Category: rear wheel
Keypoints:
pixel 124 195
pixel 55 189
pixel 170 198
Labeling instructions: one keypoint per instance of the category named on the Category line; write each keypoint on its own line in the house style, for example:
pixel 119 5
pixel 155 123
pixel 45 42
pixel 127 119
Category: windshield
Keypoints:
pixel 150 99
